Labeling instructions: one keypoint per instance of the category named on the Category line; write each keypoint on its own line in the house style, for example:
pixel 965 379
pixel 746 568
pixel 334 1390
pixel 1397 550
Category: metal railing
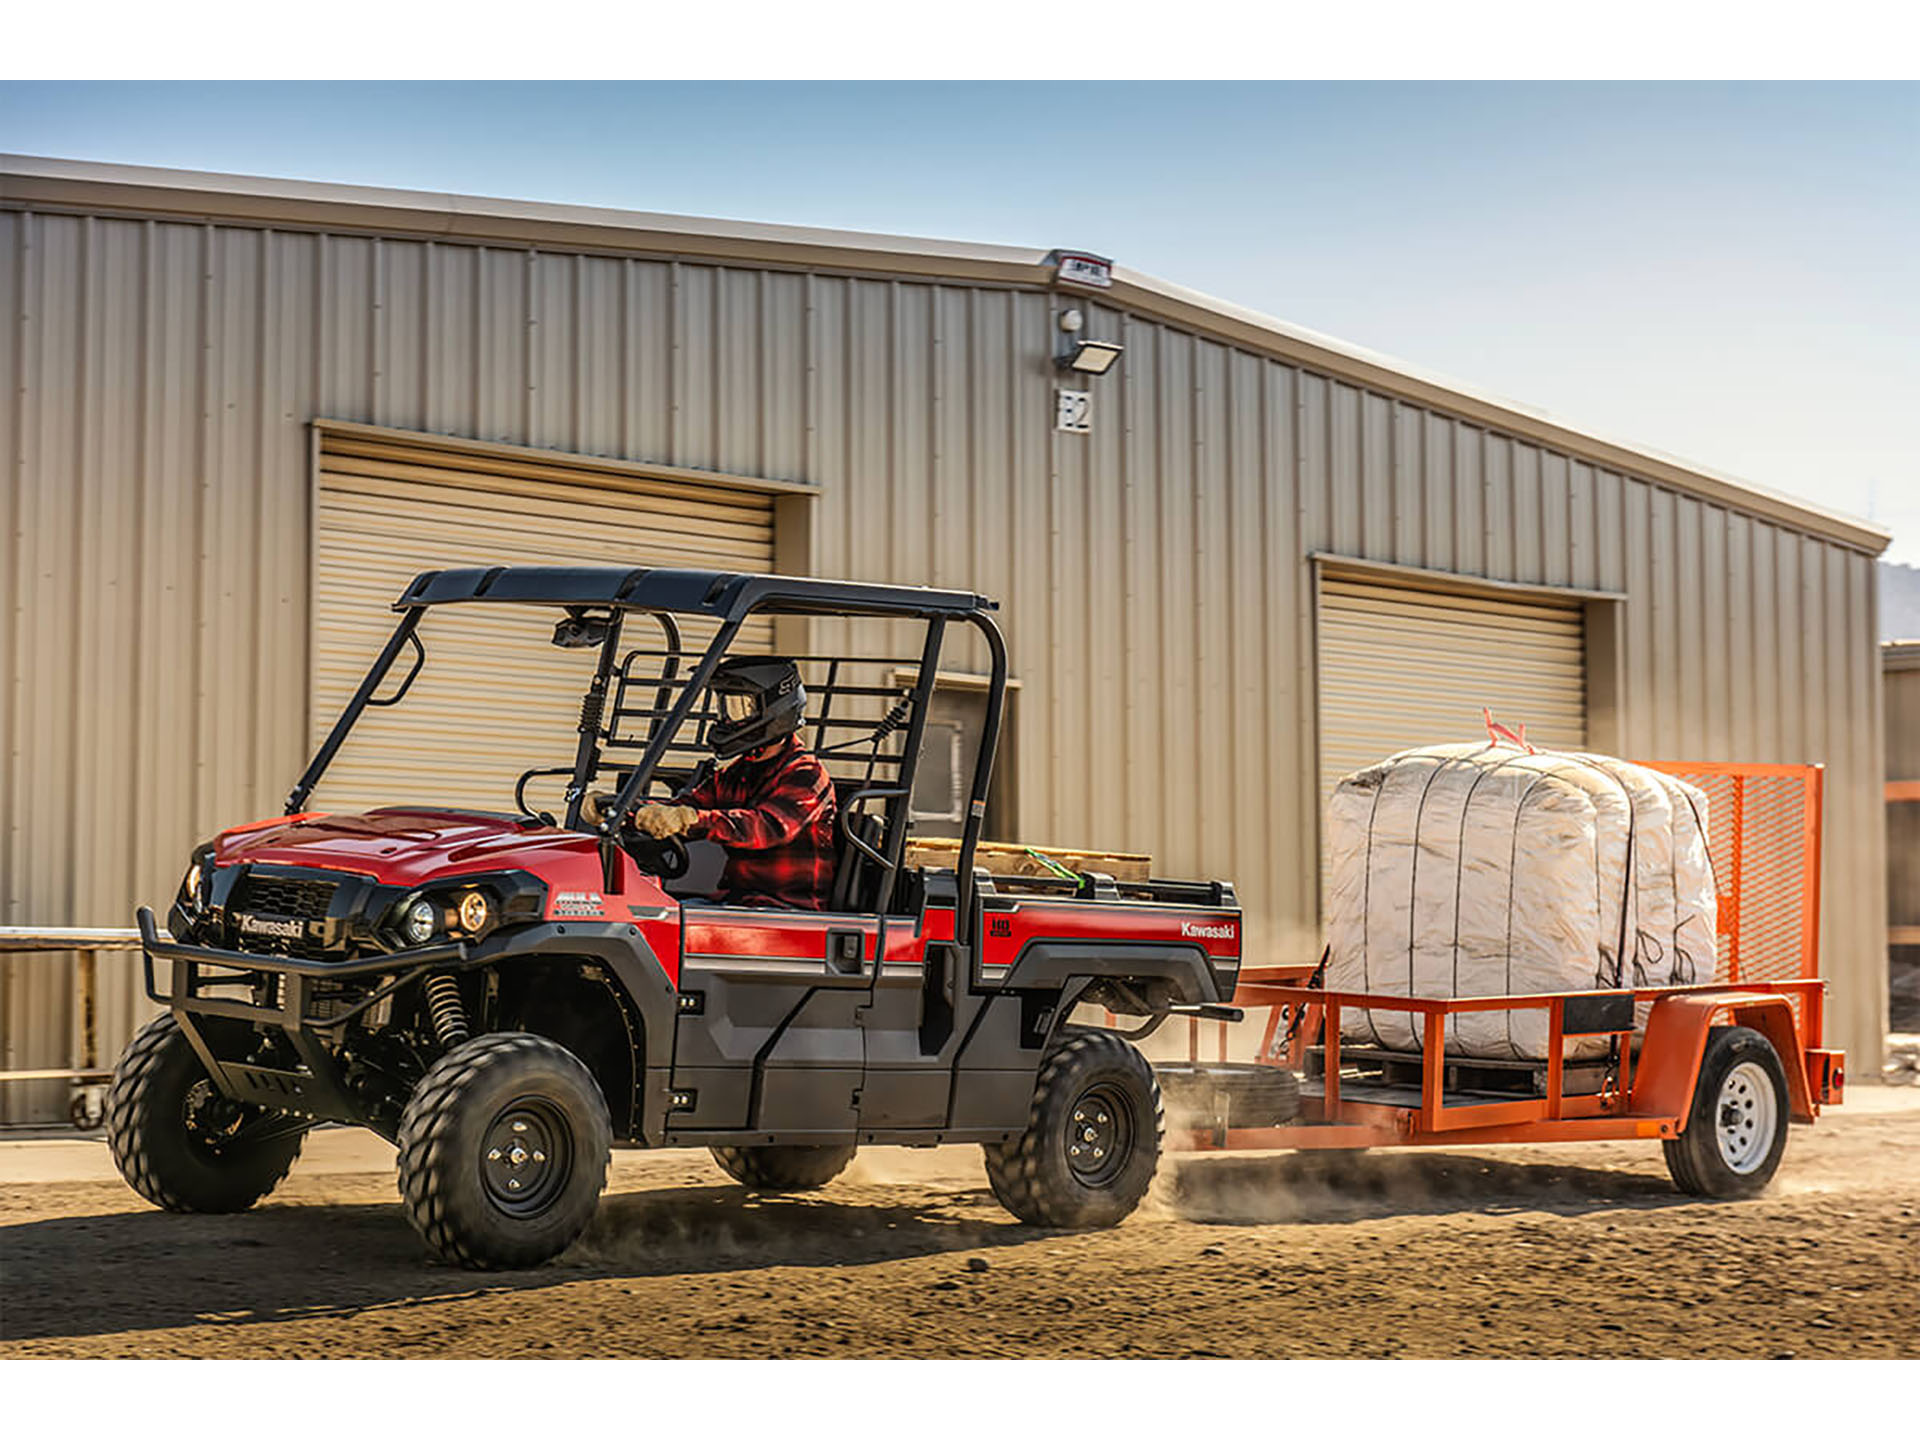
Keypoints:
pixel 85 943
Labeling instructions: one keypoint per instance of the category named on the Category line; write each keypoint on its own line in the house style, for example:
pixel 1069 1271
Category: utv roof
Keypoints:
pixel 718 594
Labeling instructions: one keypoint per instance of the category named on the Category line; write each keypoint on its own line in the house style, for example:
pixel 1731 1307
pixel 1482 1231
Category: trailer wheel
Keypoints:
pixel 1092 1140
pixel 183 1145
pixel 503 1152
pixel 1737 1128
pixel 1251 1096
pixel 777 1168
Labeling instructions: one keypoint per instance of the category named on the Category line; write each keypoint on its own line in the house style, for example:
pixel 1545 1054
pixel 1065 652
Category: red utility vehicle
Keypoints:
pixel 506 995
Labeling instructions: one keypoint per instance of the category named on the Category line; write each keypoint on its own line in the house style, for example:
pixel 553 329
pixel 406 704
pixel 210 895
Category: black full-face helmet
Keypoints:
pixel 756 701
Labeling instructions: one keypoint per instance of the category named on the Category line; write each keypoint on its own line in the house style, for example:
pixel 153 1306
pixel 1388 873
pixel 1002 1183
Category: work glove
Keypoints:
pixel 593 809
pixel 663 822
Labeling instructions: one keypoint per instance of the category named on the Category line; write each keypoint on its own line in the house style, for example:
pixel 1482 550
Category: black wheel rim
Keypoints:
pixel 1099 1138
pixel 526 1157
pixel 211 1119
pixel 226 1127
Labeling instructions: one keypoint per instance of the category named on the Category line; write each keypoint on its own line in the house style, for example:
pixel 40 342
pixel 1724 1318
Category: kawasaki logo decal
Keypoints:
pixel 279 929
pixel 1206 932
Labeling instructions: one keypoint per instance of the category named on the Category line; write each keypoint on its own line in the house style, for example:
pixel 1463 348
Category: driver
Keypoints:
pixel 768 799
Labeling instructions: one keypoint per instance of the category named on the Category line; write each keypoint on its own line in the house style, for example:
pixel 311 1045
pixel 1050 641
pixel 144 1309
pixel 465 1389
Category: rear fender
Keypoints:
pixel 1676 1043
pixel 1051 964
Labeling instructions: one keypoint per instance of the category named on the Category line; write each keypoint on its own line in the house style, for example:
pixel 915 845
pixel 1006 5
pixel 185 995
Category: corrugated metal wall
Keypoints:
pixel 158 378
pixel 1901 668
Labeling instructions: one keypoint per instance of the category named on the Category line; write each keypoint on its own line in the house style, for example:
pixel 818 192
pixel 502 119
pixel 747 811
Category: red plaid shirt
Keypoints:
pixel 775 817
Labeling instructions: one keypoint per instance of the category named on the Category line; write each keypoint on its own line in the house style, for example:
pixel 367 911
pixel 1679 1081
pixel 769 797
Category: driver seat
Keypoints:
pixel 854 872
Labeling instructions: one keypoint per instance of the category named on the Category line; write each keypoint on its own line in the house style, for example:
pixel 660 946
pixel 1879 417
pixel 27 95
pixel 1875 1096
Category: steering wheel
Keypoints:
pixel 666 858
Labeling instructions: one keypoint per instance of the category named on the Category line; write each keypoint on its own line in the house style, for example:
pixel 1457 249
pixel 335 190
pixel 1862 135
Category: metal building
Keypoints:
pixel 1900 662
pixel 236 411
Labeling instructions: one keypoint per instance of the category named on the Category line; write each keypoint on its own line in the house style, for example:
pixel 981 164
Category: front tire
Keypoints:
pixel 1737 1128
pixel 776 1168
pixel 503 1152
pixel 179 1142
pixel 1092 1140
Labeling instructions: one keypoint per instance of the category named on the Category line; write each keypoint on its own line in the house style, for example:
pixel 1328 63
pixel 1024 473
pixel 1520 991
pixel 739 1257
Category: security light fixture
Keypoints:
pixel 1089 357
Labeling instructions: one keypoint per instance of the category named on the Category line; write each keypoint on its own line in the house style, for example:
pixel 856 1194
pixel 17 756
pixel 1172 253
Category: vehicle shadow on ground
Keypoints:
pixel 1332 1186
pixel 147 1270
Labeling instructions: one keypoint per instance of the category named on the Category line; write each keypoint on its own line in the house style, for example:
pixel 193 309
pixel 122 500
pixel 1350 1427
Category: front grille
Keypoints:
pixel 294 899
pixel 275 898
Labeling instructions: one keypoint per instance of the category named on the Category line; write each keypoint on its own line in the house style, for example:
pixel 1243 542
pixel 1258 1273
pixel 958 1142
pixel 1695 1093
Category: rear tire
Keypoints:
pixel 503 1152
pixel 179 1142
pixel 1092 1140
pixel 776 1168
pixel 1737 1126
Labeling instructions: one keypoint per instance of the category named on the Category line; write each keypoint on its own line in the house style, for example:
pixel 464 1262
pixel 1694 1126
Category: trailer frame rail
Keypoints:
pixel 1647 1092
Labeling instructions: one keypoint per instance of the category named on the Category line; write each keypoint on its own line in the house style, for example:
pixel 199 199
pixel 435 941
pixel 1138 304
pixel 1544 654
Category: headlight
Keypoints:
pixel 418 925
pixel 475 912
pixel 190 885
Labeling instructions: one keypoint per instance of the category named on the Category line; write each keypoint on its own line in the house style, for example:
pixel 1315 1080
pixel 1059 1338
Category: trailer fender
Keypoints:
pixel 1676 1043
pixel 1773 1017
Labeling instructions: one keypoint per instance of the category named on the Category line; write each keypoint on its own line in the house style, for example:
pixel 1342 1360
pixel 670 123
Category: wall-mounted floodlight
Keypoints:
pixel 1089 357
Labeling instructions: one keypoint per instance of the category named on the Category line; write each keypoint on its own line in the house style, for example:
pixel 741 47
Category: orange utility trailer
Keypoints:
pixel 1716 1072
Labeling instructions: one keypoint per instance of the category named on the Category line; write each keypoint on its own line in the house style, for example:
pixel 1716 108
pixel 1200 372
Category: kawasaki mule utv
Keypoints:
pixel 505 996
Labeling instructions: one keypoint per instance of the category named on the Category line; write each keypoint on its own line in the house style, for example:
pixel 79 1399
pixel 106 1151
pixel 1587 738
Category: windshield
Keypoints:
pixel 494 699
pixel 493 719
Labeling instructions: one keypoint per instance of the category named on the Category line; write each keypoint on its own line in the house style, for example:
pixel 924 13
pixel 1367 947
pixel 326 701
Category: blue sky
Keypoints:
pixel 1726 272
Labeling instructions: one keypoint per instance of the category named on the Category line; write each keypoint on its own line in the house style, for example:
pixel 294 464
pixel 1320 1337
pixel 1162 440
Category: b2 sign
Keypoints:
pixel 1073 411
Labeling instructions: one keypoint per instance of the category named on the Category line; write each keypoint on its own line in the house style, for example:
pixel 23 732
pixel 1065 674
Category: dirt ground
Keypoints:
pixel 1576 1251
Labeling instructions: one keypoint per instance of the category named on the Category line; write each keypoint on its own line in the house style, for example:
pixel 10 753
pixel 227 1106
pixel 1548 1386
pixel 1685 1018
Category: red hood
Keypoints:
pixel 403 846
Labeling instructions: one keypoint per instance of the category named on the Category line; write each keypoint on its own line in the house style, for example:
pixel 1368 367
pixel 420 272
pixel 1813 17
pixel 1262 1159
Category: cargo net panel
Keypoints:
pixel 859 712
pixel 1763 828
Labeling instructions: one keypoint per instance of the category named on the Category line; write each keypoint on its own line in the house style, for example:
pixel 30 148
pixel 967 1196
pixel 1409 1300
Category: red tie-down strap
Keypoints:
pixel 1500 734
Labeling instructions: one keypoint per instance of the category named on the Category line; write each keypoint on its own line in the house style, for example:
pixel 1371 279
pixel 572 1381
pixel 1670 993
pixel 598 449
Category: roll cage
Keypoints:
pixel 658 717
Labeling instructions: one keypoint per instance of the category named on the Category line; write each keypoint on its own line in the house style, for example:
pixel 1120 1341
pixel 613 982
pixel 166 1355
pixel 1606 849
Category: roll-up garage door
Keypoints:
pixel 1402 666
pixel 495 697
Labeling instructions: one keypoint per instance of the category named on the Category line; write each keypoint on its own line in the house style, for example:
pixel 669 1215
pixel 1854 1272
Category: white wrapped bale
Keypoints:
pixel 1485 870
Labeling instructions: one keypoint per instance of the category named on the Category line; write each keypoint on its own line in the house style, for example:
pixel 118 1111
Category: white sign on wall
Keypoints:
pixel 1080 268
pixel 1073 411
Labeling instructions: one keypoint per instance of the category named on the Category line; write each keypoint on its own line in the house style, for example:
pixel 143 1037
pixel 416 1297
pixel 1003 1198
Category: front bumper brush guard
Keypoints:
pixel 315 1089
pixel 400 966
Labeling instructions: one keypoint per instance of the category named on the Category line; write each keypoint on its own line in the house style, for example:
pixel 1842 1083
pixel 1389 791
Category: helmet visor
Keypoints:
pixel 735 708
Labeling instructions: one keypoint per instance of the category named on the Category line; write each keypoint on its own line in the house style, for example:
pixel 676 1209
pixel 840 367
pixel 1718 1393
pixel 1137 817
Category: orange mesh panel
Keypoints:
pixel 1763 824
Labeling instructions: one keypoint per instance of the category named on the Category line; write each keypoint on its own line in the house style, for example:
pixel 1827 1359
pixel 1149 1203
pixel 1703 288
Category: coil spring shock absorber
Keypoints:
pixel 445 1009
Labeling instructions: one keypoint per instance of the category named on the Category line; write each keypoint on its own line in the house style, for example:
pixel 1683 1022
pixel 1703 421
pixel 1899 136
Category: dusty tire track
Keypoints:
pixel 1568 1251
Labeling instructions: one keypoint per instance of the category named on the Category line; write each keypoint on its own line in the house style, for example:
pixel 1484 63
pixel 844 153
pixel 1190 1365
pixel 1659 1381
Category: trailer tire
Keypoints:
pixel 1737 1125
pixel 1093 1086
pixel 778 1168
pixel 180 1143
pixel 503 1151
pixel 1256 1096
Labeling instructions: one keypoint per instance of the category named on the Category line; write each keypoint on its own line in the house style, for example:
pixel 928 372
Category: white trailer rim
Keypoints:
pixel 1746 1117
